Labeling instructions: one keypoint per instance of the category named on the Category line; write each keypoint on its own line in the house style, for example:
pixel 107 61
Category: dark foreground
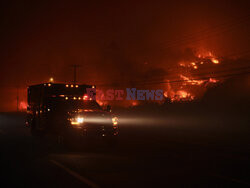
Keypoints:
pixel 167 151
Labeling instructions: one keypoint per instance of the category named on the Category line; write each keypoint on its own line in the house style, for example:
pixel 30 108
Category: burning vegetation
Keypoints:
pixel 193 78
pixel 186 81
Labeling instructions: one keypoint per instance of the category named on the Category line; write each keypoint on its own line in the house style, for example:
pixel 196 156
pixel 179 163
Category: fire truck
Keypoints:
pixel 66 110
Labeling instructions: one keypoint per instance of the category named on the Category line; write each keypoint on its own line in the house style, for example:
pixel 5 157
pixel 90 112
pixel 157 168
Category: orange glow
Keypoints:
pixel 182 94
pixel 191 81
pixel 165 94
pixel 74 123
pixel 76 86
pixel 23 106
pixel 85 97
pixel 212 80
pixel 189 86
pixel 100 103
pixel 134 103
pixel 88 110
pixel 215 61
pixel 71 85
pixel 67 85
pixel 182 64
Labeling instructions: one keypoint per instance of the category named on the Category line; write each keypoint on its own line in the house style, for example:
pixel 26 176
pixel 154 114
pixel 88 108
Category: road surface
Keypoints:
pixel 173 152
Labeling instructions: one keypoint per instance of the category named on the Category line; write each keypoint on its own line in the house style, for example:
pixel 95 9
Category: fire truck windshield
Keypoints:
pixel 89 105
pixel 63 104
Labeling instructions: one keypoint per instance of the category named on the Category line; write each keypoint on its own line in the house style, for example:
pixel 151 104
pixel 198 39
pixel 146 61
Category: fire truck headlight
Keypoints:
pixel 77 121
pixel 115 120
pixel 80 119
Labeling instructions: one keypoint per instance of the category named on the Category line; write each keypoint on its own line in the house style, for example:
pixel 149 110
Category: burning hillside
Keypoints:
pixel 193 78
pixel 188 78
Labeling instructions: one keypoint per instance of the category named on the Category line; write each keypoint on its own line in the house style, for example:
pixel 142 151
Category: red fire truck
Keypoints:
pixel 66 109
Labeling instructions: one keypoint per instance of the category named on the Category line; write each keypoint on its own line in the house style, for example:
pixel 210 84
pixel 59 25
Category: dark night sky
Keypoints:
pixel 111 40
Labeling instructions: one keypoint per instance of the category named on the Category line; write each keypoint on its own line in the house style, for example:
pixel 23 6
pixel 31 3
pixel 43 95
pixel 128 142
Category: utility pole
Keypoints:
pixel 75 71
pixel 17 99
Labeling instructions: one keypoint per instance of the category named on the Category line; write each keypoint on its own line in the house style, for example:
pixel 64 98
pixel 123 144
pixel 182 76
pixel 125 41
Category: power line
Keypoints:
pixel 246 67
pixel 182 80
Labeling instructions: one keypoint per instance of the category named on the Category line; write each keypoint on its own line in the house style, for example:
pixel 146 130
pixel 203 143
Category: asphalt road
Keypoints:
pixel 170 152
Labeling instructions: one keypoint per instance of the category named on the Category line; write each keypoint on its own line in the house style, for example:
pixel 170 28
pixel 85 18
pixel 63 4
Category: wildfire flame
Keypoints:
pixel 188 80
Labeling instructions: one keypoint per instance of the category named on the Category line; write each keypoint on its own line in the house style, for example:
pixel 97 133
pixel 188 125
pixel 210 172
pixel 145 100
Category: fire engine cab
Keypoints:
pixel 66 109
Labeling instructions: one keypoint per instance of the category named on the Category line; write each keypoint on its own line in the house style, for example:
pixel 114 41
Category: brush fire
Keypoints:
pixel 186 81
pixel 192 82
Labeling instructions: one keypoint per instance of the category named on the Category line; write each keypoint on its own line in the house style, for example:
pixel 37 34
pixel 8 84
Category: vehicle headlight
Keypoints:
pixel 77 121
pixel 115 120
pixel 80 119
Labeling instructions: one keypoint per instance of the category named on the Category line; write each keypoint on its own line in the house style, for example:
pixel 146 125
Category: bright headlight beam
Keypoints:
pixel 77 121
pixel 115 120
pixel 80 119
